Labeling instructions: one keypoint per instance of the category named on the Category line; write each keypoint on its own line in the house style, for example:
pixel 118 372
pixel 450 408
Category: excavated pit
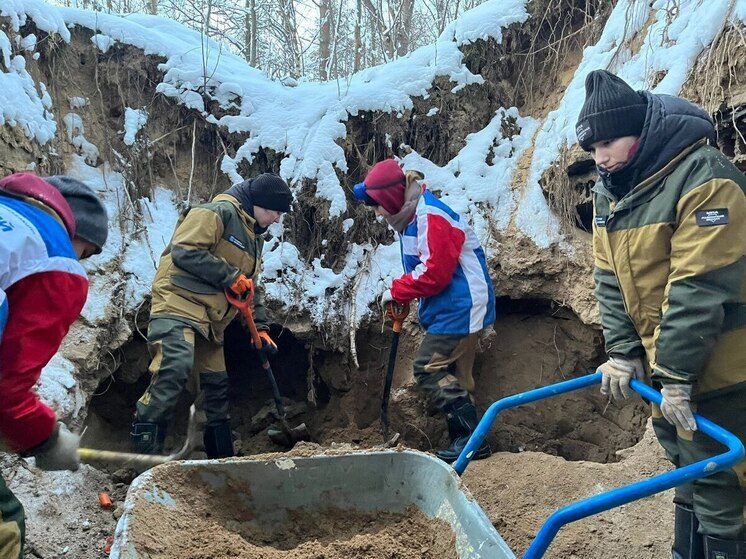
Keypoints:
pixel 535 343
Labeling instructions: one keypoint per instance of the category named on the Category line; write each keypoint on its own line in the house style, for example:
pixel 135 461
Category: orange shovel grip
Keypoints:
pixel 244 305
pixel 397 313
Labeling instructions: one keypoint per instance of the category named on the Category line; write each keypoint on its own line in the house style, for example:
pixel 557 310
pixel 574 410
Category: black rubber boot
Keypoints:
pixel 148 438
pixel 716 548
pixel 687 543
pixel 461 416
pixel 219 441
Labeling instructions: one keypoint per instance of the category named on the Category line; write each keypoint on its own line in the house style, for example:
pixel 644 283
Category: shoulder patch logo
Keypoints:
pixel 708 218
pixel 601 220
pixel 233 240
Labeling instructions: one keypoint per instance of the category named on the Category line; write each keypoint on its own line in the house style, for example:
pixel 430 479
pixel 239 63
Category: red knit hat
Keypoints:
pixel 385 184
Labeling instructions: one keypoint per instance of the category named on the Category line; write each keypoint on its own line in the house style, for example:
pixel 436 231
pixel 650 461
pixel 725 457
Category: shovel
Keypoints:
pixel 147 460
pixel 397 313
pixel 286 436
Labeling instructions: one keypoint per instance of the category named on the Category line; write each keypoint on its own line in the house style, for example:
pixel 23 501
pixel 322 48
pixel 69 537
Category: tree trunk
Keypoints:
pixel 290 30
pixel 325 37
pixel 153 7
pixel 403 27
pixel 356 65
pixel 250 32
pixel 384 35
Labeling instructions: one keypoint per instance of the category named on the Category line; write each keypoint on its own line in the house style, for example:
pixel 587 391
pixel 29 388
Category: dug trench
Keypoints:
pixel 534 343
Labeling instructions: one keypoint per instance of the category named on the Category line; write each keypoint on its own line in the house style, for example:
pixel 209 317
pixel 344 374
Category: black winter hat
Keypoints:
pixel 91 219
pixel 269 191
pixel 612 109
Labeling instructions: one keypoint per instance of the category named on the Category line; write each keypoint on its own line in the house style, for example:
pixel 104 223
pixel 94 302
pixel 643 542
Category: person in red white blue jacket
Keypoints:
pixel 445 269
pixel 46 226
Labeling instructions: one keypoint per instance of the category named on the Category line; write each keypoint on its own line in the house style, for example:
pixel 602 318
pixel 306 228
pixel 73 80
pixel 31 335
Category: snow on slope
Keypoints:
pixel 305 123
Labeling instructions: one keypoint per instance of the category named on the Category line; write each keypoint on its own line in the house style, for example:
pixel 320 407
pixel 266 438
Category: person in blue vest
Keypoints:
pixel 446 271
pixel 46 227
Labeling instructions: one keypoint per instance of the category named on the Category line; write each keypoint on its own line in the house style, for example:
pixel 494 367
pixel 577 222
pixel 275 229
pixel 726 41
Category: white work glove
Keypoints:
pixel 61 453
pixel 386 298
pixel 676 407
pixel 617 373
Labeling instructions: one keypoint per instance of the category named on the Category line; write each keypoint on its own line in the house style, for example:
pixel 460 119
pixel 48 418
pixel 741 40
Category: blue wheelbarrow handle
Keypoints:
pixel 615 497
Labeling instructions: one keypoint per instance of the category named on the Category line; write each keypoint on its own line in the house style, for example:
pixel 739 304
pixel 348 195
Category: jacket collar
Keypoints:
pixel 248 219
pixel 642 192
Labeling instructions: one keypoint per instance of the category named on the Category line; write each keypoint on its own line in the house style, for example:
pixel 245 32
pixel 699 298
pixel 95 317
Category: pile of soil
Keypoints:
pixel 518 492
pixel 203 523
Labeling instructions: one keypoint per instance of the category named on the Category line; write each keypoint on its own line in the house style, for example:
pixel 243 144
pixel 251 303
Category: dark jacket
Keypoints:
pixel 212 244
pixel 669 248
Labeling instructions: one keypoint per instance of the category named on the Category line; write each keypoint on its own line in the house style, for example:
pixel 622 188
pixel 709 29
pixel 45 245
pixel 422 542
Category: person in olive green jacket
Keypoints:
pixel 215 247
pixel 669 242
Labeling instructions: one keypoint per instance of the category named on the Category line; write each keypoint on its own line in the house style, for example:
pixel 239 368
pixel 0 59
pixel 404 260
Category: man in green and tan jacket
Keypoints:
pixel 669 241
pixel 215 247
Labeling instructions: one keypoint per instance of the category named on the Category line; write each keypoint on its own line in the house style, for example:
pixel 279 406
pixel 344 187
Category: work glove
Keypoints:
pixel 242 285
pixel 268 344
pixel 676 407
pixel 61 452
pixel 386 298
pixel 617 372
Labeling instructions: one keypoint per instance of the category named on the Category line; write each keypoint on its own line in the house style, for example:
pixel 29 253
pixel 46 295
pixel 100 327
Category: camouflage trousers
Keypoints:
pixel 182 358
pixel 719 500
pixel 443 367
pixel 12 524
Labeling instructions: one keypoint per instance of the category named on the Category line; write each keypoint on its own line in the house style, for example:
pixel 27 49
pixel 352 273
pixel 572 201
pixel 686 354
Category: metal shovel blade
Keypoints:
pixel 285 436
pixel 288 436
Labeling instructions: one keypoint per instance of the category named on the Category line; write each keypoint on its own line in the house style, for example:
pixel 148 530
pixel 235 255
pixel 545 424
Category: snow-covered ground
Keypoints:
pixel 305 124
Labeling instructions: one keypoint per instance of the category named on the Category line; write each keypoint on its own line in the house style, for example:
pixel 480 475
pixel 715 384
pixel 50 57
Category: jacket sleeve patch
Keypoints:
pixel 601 220
pixel 708 218
pixel 232 239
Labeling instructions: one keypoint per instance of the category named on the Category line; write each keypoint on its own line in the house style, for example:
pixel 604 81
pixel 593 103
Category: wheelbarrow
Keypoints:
pixel 384 481
pixel 615 497
pixel 267 495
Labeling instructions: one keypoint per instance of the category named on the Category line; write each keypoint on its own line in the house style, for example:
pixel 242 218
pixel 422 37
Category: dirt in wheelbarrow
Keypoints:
pixel 206 524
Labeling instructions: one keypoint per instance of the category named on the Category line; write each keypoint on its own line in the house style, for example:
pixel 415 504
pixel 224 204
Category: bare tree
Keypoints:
pixel 285 38
pixel 403 26
pixel 289 33
pixel 325 37
pixel 382 32
pixel 250 37
pixel 356 65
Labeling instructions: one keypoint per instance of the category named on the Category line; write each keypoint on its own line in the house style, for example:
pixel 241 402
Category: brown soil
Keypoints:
pixel 519 491
pixel 557 447
pixel 207 524
pixel 63 516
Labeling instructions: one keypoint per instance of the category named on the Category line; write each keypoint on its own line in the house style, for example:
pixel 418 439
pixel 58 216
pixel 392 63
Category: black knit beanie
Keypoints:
pixel 612 109
pixel 269 191
pixel 91 219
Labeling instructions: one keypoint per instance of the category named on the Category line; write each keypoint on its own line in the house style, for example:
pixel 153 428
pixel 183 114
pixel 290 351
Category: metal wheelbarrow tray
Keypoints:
pixel 264 492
